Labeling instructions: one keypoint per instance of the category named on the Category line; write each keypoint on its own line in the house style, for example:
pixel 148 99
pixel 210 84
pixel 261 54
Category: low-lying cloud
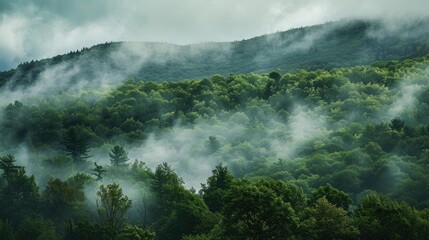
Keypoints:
pixel 33 30
pixel 240 143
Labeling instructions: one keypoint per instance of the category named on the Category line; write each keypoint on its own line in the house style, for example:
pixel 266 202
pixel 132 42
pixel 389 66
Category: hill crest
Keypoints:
pixel 329 45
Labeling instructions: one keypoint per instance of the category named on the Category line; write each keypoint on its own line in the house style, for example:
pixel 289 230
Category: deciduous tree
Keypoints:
pixel 257 213
pixel 112 207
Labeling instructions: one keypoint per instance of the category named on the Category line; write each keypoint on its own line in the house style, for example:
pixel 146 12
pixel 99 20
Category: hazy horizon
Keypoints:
pixel 33 30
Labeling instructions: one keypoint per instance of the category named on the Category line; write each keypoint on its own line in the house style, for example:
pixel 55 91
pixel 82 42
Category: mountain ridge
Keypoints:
pixel 326 46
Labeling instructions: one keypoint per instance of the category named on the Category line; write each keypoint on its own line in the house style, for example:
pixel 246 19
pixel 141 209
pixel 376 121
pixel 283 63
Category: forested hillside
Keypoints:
pixel 330 45
pixel 334 153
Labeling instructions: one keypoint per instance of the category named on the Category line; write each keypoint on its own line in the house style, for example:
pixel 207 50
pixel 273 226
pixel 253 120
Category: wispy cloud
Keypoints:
pixel 39 29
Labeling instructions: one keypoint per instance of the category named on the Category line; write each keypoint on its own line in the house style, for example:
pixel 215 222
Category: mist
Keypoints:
pixel 408 92
pixel 185 147
pixel 107 65
pixel 33 30
pixel 339 105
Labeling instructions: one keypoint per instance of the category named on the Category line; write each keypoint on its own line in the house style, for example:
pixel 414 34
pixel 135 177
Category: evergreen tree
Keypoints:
pixel 397 124
pixel 20 197
pixel 7 165
pixel 179 212
pixel 118 156
pixel 76 144
pixel 98 171
pixel 216 188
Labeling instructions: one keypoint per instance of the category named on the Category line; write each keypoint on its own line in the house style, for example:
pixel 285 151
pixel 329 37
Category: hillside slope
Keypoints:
pixel 335 44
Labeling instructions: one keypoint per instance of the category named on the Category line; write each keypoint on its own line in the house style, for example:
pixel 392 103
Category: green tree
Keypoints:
pixel 61 198
pixel 289 192
pixel 7 164
pixel 333 195
pixel 213 144
pixel 179 212
pixel 36 228
pixel 112 207
pixel 256 213
pixel 374 150
pixel 85 230
pixel 275 75
pixel 164 183
pixel 269 89
pixel 6 230
pixel 118 156
pixel 98 171
pixel 76 144
pixel 20 197
pixel 379 217
pixel 131 232
pixel 397 124
pixel 326 221
pixel 216 188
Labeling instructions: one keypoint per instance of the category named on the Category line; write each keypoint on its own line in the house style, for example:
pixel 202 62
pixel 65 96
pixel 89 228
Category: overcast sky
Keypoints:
pixel 35 29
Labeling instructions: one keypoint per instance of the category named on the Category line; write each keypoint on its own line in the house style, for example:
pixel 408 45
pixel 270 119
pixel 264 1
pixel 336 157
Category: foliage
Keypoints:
pixel 215 189
pixel 333 44
pixel 61 198
pixel 8 167
pixel 98 171
pixel 136 233
pixel 334 153
pixel 379 217
pixel 179 211
pixel 76 144
pixel 112 207
pixel 256 212
pixel 20 197
pixel 36 228
pixel 84 230
pixel 326 221
pixel 6 230
pixel 334 196
pixel 213 144
pixel 118 156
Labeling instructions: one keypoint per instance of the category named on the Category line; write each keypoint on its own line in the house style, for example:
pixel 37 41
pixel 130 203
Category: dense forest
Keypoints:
pixel 334 153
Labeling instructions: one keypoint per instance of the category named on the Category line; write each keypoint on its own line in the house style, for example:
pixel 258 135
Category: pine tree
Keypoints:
pixel 76 144
pixel 9 168
pixel 118 156
pixel 98 171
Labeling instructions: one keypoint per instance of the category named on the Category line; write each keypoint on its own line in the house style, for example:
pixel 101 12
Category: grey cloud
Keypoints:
pixel 185 148
pixel 407 95
pixel 76 12
pixel 39 29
